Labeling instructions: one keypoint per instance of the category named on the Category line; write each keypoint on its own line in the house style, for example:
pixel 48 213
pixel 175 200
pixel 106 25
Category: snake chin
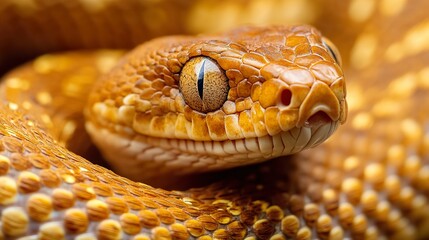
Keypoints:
pixel 149 159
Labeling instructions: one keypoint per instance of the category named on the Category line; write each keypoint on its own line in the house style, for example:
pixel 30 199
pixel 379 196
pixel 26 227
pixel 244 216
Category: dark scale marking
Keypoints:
pixel 200 81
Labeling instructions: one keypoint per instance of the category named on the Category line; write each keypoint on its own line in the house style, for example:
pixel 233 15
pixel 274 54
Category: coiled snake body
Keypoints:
pixel 192 104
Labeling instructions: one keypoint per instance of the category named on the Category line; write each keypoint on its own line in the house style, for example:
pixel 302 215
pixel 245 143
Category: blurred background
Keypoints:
pixel 31 27
pixel 379 40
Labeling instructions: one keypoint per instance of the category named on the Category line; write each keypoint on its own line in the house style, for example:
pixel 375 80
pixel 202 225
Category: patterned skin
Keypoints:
pixel 368 181
pixel 286 93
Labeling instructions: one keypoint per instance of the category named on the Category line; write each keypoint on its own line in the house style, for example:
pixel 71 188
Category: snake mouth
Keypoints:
pixel 128 155
pixel 318 119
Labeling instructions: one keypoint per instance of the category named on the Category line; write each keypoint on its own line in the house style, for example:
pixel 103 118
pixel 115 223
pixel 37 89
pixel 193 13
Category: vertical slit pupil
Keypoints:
pixel 200 81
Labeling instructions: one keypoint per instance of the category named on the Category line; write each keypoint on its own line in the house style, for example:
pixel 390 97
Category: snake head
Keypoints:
pixel 186 104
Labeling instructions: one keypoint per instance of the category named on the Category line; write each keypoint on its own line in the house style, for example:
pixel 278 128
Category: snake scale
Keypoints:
pixel 368 181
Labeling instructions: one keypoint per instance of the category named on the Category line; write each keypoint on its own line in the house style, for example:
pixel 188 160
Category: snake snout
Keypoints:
pixel 321 106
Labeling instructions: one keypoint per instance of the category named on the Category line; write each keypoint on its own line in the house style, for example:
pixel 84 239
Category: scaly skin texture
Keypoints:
pixel 139 118
pixel 368 181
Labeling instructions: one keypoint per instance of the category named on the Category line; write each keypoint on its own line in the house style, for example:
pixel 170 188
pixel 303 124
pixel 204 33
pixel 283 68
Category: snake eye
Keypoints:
pixel 203 84
pixel 333 51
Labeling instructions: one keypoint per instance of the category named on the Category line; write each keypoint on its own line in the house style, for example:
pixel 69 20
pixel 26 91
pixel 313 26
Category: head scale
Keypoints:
pixel 212 102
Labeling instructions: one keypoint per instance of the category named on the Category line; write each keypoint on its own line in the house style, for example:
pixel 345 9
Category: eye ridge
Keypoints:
pixel 200 81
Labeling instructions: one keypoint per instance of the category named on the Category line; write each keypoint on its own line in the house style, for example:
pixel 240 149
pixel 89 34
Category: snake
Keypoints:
pixel 202 107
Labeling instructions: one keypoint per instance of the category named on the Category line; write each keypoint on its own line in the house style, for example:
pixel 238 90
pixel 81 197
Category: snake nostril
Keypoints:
pixel 318 119
pixel 286 97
